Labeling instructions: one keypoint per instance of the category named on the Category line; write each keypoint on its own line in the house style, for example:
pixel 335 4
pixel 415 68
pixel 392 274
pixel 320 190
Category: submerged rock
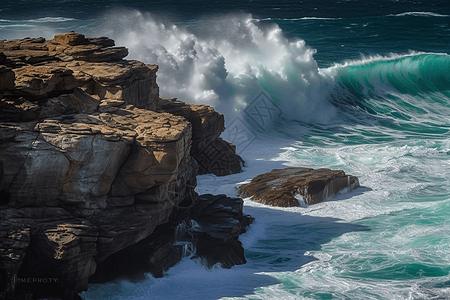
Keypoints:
pixel 283 187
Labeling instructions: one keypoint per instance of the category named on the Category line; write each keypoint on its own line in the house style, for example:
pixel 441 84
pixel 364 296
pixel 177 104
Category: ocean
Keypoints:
pixel 362 86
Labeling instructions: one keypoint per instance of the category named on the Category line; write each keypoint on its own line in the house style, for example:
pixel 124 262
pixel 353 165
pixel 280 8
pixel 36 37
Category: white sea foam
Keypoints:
pixel 363 60
pixel 317 18
pixel 297 19
pixel 419 14
pixel 227 68
pixel 51 19
pixel 17 26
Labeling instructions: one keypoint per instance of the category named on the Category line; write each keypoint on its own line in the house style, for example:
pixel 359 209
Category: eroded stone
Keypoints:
pixel 280 187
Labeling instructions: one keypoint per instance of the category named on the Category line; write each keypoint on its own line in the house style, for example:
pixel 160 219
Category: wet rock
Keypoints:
pixel 283 187
pixel 207 229
pixel 219 220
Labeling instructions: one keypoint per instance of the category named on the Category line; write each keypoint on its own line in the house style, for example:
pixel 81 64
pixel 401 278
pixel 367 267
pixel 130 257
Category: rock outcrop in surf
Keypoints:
pixel 284 187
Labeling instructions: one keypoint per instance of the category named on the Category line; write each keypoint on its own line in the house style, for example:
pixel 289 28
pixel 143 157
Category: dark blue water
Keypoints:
pixel 188 10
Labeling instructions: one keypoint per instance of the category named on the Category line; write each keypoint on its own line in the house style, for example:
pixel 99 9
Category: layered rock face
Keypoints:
pixel 90 163
pixel 213 154
pixel 282 187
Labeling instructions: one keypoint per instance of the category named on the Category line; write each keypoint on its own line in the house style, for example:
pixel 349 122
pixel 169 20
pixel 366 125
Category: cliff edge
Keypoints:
pixel 92 160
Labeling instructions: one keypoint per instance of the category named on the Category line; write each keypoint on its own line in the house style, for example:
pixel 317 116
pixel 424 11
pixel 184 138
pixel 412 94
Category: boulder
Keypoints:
pixel 69 38
pixel 283 187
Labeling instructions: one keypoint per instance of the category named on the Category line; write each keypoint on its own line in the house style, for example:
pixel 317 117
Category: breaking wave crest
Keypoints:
pixel 226 62
pixel 419 14
pixel 412 88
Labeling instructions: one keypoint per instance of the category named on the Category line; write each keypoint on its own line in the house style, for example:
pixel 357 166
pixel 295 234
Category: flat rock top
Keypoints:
pixel 65 47
pixel 129 125
pixel 77 85
pixel 280 186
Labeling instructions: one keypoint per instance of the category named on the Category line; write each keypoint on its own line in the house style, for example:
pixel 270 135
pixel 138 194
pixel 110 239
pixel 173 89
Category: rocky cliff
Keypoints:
pixel 92 160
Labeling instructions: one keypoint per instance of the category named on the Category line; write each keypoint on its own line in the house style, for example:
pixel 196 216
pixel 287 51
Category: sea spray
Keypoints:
pixel 226 62
pixel 184 238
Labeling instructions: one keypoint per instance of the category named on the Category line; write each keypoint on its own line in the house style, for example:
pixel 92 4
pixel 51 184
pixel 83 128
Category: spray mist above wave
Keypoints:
pixel 225 62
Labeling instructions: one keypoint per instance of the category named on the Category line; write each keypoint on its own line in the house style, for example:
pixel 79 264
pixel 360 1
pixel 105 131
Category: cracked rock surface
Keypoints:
pixel 90 161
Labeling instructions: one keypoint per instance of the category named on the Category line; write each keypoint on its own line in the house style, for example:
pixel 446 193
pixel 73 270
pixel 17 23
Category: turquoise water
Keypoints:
pixel 363 88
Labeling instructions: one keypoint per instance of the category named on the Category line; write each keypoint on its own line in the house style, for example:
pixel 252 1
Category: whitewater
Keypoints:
pixel 366 94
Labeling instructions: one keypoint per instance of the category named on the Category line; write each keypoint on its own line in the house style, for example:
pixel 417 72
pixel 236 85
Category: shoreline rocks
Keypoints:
pixel 92 161
pixel 208 229
pixel 213 154
pixel 282 187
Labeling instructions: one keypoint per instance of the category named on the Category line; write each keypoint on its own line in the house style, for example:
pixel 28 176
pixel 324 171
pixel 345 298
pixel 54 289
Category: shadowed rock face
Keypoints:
pixel 208 229
pixel 89 163
pixel 212 154
pixel 281 186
